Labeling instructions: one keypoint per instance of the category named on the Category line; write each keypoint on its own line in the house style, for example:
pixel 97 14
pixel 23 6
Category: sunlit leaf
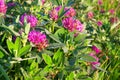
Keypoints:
pixel 1 54
pixel 47 59
pixel 10 45
pixel 87 58
pixel 24 50
pixel 55 45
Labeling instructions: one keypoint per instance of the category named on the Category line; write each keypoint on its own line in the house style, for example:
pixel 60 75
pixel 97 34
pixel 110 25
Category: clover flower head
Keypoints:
pixel 22 18
pixel 72 24
pixel 113 20
pixel 70 13
pixel 97 50
pixel 96 62
pixel 43 1
pixel 102 10
pixel 99 23
pixel 79 26
pixel 100 2
pixel 2 2
pixel 58 8
pixel 111 11
pixel 38 39
pixel 3 7
pixel 68 23
pixel 30 19
pixel 11 4
pixel 54 13
pixel 90 15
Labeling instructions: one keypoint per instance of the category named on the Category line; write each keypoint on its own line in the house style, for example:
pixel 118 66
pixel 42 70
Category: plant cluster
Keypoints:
pixel 59 40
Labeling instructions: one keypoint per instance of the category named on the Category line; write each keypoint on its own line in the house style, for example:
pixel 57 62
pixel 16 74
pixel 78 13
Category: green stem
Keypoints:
pixel 62 2
pixel 53 27
pixel 20 59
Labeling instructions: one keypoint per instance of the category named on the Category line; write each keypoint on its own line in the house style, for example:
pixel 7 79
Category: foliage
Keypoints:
pixel 62 52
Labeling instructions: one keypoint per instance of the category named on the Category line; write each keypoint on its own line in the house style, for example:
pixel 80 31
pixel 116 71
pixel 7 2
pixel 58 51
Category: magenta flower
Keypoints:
pixel 99 23
pixel 54 13
pixel 58 8
pixel 100 2
pixel 3 7
pixel 95 63
pixel 11 4
pixel 111 11
pixel 30 19
pixel 72 24
pixel 79 25
pixel 102 11
pixel 22 18
pixel 14 38
pixel 90 15
pixel 43 1
pixel 68 23
pixel 38 39
pixel 97 50
pixel 70 13
pixel 113 20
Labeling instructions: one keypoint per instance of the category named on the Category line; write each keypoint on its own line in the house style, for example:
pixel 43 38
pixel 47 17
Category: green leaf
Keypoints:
pixel 55 45
pixel 1 54
pixel 3 50
pixel 9 16
pixel 69 2
pixel 56 2
pixel 72 60
pixel 57 58
pixel 11 30
pixel 59 32
pixel 72 68
pixel 29 1
pixel 114 26
pixel 4 37
pixel 10 45
pixel 65 49
pixel 33 65
pixel 99 68
pixel 52 36
pixel 62 12
pixel 70 77
pixel 89 78
pixel 4 73
pixel 45 18
pixel 27 28
pixel 50 53
pixel 2 20
pixel 17 19
pixel 17 44
pixel 71 36
pixel 61 74
pixel 45 70
pixel 47 59
pixel 80 37
pixel 87 58
pixel 24 73
pixel 24 50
